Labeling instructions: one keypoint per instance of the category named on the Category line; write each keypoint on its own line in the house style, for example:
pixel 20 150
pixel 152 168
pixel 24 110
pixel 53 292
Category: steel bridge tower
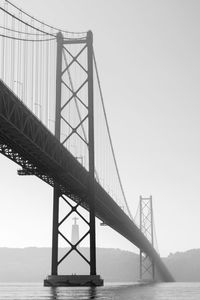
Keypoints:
pixel 64 47
pixel 147 266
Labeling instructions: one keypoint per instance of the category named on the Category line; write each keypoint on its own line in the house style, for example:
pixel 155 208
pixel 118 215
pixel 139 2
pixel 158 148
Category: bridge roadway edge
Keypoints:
pixel 25 140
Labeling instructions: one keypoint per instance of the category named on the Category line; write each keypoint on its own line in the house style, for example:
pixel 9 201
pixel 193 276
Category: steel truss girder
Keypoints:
pixel 25 140
pixel 29 169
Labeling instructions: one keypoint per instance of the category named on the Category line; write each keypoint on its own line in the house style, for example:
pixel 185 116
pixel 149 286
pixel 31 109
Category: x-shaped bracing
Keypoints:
pixel 75 246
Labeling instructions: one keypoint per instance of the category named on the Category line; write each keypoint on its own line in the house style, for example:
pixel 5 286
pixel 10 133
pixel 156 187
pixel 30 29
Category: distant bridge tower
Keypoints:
pixel 147 268
pixel 75 232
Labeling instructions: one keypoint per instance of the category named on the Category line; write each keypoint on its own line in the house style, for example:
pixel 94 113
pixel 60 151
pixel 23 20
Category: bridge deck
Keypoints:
pixel 25 140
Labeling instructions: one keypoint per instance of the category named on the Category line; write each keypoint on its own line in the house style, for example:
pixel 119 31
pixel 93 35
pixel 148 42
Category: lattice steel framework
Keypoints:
pixel 147 268
pixel 69 97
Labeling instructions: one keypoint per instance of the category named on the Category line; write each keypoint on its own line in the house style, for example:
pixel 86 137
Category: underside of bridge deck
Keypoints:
pixel 26 141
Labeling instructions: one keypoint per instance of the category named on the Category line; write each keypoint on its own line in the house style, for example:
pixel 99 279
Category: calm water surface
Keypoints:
pixel 118 291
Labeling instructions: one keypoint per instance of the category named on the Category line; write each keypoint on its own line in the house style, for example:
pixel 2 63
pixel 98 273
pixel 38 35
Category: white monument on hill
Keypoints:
pixel 75 232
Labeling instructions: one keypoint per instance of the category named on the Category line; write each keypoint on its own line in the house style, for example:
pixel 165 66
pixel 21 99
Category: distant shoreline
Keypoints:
pixel 32 264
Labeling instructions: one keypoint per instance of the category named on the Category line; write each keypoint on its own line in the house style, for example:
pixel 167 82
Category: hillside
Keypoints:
pixel 185 266
pixel 33 264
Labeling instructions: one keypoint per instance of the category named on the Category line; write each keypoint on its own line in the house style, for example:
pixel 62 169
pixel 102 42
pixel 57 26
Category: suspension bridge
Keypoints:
pixel 53 124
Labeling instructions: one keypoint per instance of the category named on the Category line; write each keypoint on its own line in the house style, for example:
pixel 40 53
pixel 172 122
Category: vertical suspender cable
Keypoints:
pixel 13 56
pixel 32 71
pixel 25 67
pixel 3 48
pixel 36 77
pixel 47 84
pixel 40 83
pixel 18 81
pixel 109 135
pixel 5 43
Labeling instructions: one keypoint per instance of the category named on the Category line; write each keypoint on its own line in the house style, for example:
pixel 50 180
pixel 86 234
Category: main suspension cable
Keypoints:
pixel 37 20
pixel 22 32
pixel 25 23
pixel 26 40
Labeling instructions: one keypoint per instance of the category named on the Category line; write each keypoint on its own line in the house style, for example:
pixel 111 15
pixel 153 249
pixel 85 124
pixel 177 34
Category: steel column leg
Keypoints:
pixel 54 262
pixel 91 154
pixel 54 265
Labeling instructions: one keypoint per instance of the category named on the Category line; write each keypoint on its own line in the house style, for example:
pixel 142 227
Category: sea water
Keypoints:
pixel 117 291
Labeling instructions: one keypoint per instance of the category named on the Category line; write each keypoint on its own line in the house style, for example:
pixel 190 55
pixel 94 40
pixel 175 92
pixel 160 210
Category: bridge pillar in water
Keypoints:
pixel 147 267
pixel 75 280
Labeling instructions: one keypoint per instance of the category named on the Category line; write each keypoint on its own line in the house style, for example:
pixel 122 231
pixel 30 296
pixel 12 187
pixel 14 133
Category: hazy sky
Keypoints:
pixel 148 54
